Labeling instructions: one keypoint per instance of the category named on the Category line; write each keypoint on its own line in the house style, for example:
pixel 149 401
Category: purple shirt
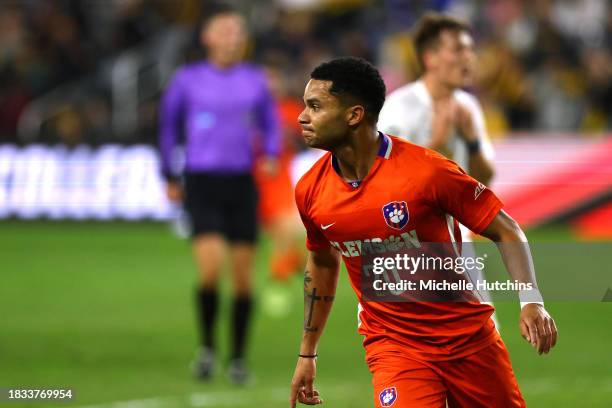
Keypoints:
pixel 216 113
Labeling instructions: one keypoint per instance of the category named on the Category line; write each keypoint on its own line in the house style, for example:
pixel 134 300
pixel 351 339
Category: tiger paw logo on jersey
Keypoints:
pixel 388 396
pixel 396 214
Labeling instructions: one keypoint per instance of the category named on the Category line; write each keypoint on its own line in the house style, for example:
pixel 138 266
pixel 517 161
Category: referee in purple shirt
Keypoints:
pixel 216 108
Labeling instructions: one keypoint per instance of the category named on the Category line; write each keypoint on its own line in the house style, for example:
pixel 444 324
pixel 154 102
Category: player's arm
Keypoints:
pixel 536 325
pixel 479 209
pixel 443 122
pixel 320 281
pixel 470 126
pixel 479 167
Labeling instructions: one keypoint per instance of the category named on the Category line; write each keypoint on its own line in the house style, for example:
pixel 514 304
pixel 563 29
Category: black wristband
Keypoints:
pixel 473 146
pixel 308 355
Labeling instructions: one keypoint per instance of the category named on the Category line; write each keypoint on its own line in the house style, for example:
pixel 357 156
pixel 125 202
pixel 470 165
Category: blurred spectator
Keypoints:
pixel 66 128
pixel 598 64
pixel 136 22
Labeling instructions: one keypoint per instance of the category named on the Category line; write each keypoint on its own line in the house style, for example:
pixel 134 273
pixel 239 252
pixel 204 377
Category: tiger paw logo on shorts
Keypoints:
pixel 388 396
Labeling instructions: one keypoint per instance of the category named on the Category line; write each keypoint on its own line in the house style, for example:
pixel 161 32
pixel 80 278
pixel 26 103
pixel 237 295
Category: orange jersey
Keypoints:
pixel 434 195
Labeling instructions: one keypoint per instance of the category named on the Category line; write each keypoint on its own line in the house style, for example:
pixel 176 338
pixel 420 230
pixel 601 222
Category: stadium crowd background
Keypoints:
pixel 90 71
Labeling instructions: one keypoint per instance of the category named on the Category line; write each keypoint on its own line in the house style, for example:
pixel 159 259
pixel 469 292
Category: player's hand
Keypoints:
pixel 174 191
pixel 465 123
pixel 302 385
pixel 445 116
pixel 538 328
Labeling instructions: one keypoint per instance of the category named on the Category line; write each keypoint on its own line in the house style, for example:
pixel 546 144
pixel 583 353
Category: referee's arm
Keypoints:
pixel 269 128
pixel 171 120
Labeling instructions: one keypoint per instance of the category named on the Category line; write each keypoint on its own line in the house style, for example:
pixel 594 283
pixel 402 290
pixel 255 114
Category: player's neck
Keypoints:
pixel 220 62
pixel 355 158
pixel 437 90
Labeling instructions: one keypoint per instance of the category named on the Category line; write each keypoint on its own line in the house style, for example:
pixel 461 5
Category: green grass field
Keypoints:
pixel 106 309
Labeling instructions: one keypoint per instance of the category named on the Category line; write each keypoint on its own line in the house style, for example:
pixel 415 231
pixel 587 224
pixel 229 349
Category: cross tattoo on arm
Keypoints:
pixel 313 298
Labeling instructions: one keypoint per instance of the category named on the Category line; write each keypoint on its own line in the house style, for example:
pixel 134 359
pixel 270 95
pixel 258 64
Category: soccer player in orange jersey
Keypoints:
pixel 421 354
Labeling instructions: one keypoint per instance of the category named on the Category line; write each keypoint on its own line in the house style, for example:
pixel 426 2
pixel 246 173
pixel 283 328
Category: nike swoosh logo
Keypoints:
pixel 324 227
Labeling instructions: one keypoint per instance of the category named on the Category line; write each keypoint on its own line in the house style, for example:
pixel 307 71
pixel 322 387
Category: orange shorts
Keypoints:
pixel 482 379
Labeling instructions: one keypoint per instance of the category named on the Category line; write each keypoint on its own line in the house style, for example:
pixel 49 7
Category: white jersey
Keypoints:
pixel 408 113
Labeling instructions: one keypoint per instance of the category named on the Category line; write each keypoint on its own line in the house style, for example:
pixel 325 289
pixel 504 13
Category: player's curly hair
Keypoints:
pixel 355 78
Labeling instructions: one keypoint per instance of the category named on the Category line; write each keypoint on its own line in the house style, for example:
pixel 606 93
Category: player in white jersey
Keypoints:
pixel 411 113
pixel 435 112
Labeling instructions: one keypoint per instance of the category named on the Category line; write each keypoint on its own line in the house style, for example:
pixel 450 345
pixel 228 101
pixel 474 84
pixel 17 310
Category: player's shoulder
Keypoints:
pixel 255 74
pixel 312 179
pixel 417 158
pixel 401 111
pixel 404 94
pixel 179 75
pixel 187 71
pixel 403 149
pixel 199 66
pixel 191 67
pixel 252 69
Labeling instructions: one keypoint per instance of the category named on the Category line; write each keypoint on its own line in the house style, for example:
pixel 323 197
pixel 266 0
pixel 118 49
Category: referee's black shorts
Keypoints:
pixel 222 203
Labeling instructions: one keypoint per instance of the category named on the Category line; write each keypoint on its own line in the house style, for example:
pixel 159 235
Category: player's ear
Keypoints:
pixel 354 115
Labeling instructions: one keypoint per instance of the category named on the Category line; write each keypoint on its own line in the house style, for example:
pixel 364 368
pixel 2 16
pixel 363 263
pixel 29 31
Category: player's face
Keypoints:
pixel 453 60
pixel 225 38
pixel 324 118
